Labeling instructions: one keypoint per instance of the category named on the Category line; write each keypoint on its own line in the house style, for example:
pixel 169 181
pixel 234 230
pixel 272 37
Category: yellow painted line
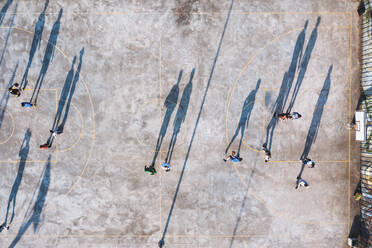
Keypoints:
pixel 138 235
pixel 318 161
pixel 30 89
pixel 93 133
pixel 349 136
pixel 92 108
pixel 81 130
pixel 32 161
pixel 296 13
pixel 279 213
pixel 57 150
pixel 160 174
pixel 13 128
pixel 250 191
pixel 108 13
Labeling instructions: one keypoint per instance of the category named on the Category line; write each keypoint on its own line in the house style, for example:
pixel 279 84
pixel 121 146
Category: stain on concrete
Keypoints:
pixel 184 10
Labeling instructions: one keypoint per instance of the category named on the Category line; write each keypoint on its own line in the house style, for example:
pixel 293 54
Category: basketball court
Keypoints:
pixel 151 73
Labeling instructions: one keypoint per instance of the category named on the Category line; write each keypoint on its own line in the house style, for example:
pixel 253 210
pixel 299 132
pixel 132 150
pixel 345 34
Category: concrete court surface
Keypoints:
pixel 90 190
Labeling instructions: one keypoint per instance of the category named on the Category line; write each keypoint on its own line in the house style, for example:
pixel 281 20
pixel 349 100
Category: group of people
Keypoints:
pixel 234 157
pixel 152 171
pixel 16 90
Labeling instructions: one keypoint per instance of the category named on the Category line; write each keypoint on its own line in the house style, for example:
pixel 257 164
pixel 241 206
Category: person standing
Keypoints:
pixel 233 157
pixel 295 115
pixel 150 170
pixel 309 162
pixel 28 104
pixel 165 166
pixel 301 183
pixel 15 90
pixel 267 153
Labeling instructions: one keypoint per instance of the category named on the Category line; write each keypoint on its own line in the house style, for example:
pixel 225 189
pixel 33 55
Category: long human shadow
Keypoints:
pixel 295 63
pixel 180 116
pixel 304 63
pixel 285 87
pixel 23 153
pixel 71 93
pixel 64 103
pixel 5 98
pixel 9 33
pixel 48 57
pixel 4 9
pixel 317 115
pixel 36 41
pixel 278 109
pixel 244 117
pixel 170 104
pixel 37 208
pixel 241 208
pixel 161 241
pixel 299 176
pixel 64 94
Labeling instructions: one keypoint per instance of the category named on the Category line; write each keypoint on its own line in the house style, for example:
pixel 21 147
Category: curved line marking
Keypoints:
pixel 250 191
pixel 92 108
pixel 81 130
pixel 13 125
pixel 241 74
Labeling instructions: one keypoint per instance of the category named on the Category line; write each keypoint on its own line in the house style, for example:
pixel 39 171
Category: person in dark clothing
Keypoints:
pixel 15 90
pixel 3 226
pixel 150 170
pixel 309 162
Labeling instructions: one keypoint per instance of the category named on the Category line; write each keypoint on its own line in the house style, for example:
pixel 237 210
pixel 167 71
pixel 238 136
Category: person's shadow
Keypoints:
pixel 5 97
pixel 303 65
pixel 48 57
pixel 4 9
pixel 295 64
pixel 64 102
pixel 10 29
pixel 180 116
pixel 317 115
pixel 39 27
pixel 285 87
pixel 170 104
pixel 34 217
pixel 64 93
pixel 61 126
pixel 23 153
pixel 244 117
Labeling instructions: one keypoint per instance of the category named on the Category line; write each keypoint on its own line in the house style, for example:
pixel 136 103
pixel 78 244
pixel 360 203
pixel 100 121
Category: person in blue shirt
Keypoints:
pixel 233 157
pixel 28 104
pixel 165 166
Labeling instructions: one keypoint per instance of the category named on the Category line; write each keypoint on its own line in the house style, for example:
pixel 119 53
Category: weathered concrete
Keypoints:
pixel 99 195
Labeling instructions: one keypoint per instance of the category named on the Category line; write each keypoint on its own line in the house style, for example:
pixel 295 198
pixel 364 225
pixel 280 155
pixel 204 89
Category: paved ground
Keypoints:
pixel 120 101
